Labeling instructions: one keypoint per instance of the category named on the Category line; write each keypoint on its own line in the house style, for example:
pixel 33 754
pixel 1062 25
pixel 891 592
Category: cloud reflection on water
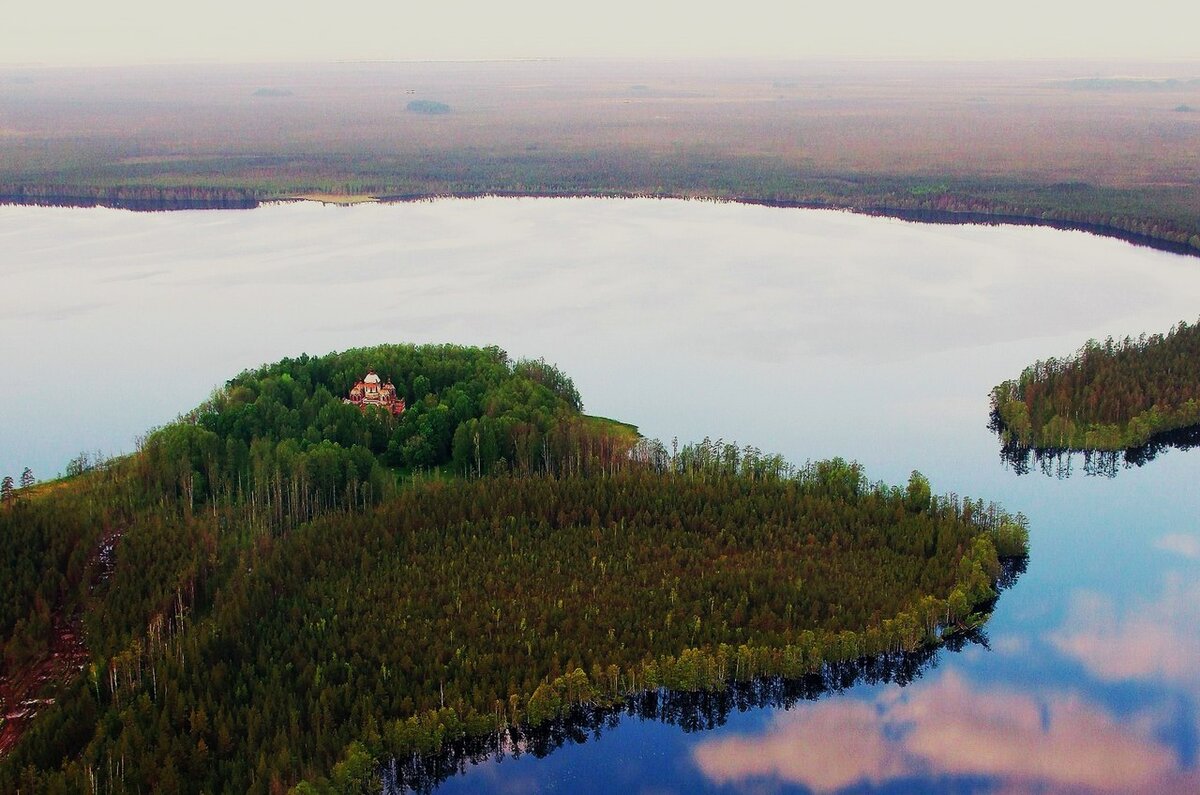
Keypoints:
pixel 949 729
pixel 1035 739
pixel 1143 639
pixel 1181 544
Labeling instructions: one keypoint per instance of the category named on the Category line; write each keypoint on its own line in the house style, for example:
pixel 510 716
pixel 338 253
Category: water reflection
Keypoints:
pixel 1151 639
pixel 1182 544
pixel 691 712
pixel 952 733
pixel 1061 462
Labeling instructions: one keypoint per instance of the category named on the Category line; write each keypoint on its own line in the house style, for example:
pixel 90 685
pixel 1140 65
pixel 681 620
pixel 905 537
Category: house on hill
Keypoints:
pixel 370 392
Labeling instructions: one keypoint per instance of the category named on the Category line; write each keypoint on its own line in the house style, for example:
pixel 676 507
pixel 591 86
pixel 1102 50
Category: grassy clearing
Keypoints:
pixel 342 200
pixel 623 431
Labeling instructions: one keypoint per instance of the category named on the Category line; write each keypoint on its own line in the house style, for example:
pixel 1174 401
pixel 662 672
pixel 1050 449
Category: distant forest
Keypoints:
pixel 280 590
pixel 961 143
pixel 1114 395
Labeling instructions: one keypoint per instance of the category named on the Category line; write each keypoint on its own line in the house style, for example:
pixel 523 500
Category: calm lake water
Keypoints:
pixel 809 333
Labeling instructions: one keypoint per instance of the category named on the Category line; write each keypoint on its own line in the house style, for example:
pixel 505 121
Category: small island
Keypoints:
pixel 428 107
pixel 1111 396
pixel 417 546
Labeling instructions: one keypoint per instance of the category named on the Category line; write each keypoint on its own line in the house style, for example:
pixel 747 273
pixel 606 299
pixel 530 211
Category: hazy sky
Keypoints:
pixel 139 31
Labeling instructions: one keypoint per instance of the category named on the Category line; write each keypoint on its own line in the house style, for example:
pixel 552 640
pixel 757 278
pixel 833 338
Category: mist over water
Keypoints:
pixel 809 333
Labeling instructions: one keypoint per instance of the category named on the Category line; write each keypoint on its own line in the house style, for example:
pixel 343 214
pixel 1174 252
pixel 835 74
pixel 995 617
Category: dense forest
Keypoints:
pixel 280 590
pixel 1109 396
pixel 278 445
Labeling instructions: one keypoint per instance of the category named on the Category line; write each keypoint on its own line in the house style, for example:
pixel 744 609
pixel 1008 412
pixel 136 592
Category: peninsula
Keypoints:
pixel 1109 396
pixel 408 578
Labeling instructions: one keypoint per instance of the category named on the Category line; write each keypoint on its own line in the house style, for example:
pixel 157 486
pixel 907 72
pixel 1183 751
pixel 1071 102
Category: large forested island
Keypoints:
pixel 285 586
pixel 1109 396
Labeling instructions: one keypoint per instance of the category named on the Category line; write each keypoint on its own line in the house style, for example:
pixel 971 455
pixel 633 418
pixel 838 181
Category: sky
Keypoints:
pixel 117 32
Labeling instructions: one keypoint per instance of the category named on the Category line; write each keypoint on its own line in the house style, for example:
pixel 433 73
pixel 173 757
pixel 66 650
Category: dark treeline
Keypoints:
pixel 953 210
pixel 1109 396
pixel 145 198
pixel 1148 216
pixel 280 589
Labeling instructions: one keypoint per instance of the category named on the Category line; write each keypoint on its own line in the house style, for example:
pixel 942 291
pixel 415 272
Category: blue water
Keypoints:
pixel 808 333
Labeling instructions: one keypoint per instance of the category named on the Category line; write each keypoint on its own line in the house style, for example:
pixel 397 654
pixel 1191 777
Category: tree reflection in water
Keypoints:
pixel 1059 462
pixel 690 711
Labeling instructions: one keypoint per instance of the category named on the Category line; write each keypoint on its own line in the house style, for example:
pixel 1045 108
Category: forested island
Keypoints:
pixel 1131 396
pixel 284 589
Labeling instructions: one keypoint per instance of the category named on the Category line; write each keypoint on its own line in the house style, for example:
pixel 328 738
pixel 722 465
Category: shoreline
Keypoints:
pixel 249 199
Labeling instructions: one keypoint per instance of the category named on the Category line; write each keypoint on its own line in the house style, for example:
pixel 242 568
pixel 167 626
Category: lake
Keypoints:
pixel 809 333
